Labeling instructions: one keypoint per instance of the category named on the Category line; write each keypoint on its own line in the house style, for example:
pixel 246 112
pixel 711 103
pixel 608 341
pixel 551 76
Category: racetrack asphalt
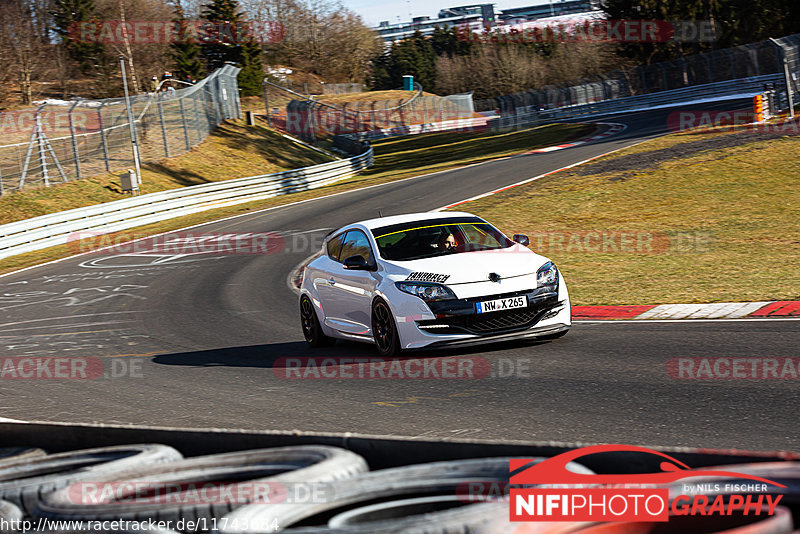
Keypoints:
pixel 197 341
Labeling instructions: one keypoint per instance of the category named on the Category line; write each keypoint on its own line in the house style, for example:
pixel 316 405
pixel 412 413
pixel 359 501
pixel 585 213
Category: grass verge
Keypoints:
pixel 703 224
pixel 395 159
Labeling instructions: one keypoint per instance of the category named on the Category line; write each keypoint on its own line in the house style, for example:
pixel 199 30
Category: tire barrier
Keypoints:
pixel 439 514
pixel 23 480
pixel 456 479
pixel 199 489
pixel 151 482
pixel 19 452
pixel 9 514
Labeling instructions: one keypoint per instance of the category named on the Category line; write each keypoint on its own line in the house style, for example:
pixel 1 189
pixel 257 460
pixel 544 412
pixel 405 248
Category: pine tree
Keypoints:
pixel 414 56
pixel 252 73
pixel 447 41
pixel 67 16
pixel 222 44
pixel 185 50
pixel 231 42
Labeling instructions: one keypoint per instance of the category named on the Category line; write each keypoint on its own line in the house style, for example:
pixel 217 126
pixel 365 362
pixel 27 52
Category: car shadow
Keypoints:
pixel 276 355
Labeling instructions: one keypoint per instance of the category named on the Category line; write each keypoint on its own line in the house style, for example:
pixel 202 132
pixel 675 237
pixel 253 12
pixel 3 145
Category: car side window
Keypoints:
pixel 356 243
pixel 335 246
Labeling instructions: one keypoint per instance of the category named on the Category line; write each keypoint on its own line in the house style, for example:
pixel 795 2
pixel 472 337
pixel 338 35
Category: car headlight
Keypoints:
pixel 547 275
pixel 426 291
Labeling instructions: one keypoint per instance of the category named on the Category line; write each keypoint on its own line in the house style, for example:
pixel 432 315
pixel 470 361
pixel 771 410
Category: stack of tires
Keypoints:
pixel 309 489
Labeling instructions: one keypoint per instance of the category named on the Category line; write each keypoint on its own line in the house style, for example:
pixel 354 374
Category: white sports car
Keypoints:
pixel 430 279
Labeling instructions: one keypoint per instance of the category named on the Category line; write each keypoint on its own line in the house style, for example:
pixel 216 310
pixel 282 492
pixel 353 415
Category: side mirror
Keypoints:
pixel 356 263
pixel 522 239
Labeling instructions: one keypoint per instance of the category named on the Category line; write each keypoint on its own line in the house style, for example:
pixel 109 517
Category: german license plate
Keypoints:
pixel 502 304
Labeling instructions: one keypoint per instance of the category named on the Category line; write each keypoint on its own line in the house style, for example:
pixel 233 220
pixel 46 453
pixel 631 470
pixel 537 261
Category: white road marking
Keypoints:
pixel 67 317
pixel 75 325
pixel 534 178
pixel 728 310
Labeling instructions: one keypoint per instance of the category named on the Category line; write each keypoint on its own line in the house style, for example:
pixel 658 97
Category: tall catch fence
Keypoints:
pixel 312 120
pixel 63 141
pixel 774 56
pixel 341 88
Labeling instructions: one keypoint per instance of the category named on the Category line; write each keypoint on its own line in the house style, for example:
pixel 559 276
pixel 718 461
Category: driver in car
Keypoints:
pixel 447 242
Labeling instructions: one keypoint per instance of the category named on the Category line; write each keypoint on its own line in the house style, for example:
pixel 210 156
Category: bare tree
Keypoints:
pixel 149 55
pixel 24 48
pixel 320 37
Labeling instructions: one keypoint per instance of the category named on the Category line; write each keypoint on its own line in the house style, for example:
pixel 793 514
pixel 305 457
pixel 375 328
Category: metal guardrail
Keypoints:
pixel 55 229
pixel 526 115
pixel 773 56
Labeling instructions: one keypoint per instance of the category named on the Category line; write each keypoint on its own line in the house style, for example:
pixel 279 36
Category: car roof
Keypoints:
pixel 380 222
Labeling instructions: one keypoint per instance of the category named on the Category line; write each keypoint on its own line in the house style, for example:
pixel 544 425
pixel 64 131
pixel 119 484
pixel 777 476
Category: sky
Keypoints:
pixel 373 12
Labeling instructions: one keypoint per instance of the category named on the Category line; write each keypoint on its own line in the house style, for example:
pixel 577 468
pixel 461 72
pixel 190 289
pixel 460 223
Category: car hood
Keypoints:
pixel 468 267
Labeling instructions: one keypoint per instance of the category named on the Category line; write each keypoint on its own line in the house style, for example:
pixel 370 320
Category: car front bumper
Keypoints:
pixel 456 323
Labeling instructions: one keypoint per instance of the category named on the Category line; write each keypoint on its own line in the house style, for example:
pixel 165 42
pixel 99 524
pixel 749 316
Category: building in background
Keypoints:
pixel 476 17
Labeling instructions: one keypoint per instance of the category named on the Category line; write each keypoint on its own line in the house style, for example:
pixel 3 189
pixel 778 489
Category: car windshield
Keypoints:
pixel 428 239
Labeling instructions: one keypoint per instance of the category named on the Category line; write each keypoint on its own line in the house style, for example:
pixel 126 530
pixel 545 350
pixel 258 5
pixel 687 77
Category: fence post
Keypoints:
pixel 266 105
pixel 708 67
pixel 732 62
pixel 74 143
pixel 237 101
pixel 223 99
pixel 163 126
pixel 42 155
pixel 183 122
pixel 215 103
pixel 103 136
pixel 786 77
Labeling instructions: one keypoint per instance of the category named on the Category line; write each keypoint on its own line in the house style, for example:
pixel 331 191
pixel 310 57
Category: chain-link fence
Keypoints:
pixel 766 57
pixel 341 88
pixel 62 141
pixel 312 120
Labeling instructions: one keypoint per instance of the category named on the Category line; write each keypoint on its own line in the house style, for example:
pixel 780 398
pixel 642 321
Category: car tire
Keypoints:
pixel 10 516
pixel 280 466
pixel 24 481
pixel 312 329
pixel 7 453
pixel 438 514
pixel 384 329
pixel 452 477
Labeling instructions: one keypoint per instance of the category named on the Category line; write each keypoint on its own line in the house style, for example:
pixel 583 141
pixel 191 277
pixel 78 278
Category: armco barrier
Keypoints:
pixel 745 86
pixel 54 229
